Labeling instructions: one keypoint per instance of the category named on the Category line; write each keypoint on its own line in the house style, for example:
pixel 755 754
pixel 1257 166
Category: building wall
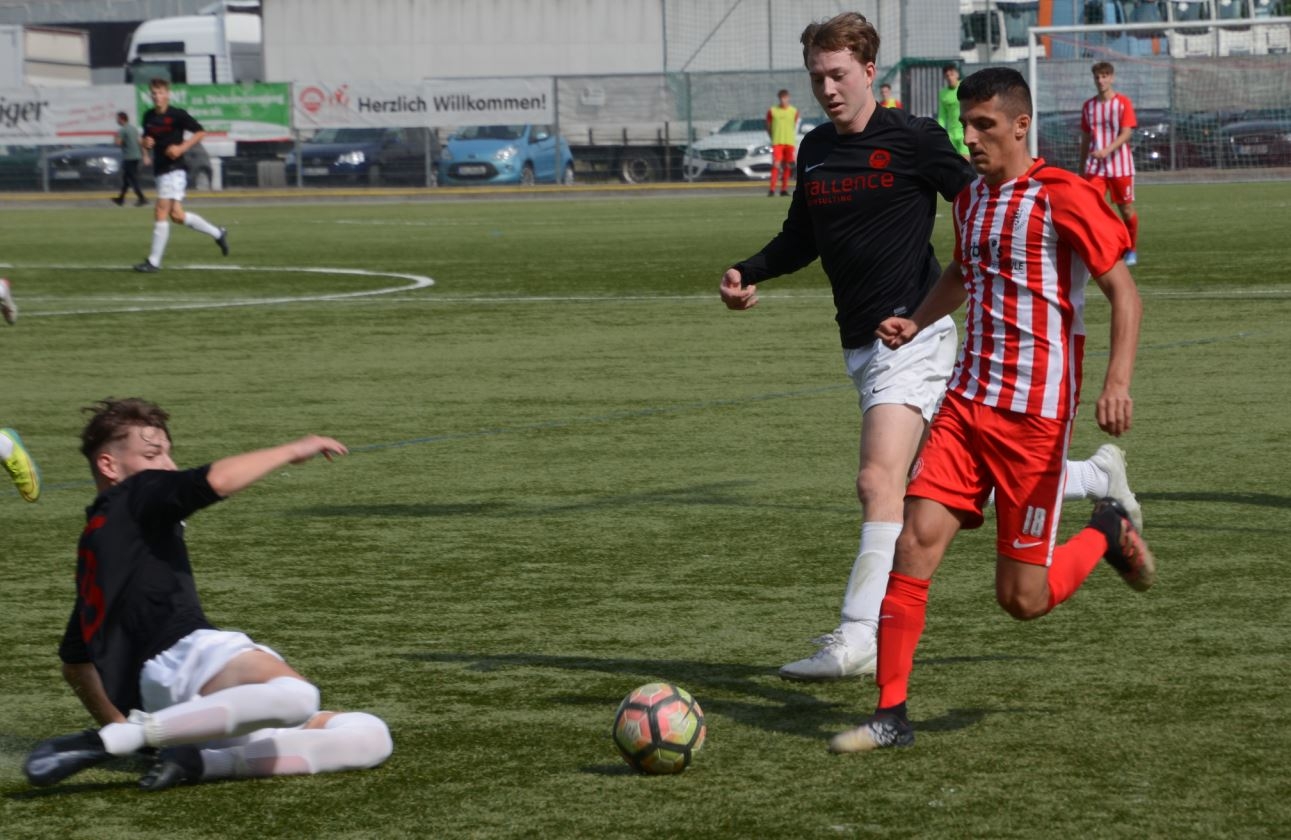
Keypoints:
pixel 387 39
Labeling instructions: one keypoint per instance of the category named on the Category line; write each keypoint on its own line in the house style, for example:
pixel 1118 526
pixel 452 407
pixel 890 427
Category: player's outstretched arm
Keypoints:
pixel 1115 410
pixel 237 472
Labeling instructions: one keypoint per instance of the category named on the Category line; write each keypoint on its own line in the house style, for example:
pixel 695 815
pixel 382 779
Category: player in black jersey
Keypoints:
pixel 138 640
pixel 169 132
pixel 865 203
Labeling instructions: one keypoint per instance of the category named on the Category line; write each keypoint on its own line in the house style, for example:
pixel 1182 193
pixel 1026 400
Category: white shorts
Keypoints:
pixel 177 674
pixel 914 375
pixel 172 184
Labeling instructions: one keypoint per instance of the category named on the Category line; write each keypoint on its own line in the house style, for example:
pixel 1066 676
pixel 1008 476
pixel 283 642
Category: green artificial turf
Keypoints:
pixel 575 472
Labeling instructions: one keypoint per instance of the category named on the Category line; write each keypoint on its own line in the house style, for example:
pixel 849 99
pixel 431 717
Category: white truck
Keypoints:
pixel 993 31
pixel 217 48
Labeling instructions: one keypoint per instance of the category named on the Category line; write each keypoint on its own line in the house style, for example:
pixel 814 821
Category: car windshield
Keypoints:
pixel 349 135
pixel 1186 10
pixel 733 126
pixel 491 132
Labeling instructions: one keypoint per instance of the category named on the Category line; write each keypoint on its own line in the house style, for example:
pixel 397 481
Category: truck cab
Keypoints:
pixel 197 50
pixel 996 31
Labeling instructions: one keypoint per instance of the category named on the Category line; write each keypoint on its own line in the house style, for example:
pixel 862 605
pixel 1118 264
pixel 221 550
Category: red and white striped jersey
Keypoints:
pixel 1026 249
pixel 1103 121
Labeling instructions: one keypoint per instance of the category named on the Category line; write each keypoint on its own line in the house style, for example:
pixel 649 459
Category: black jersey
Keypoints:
pixel 865 204
pixel 135 595
pixel 167 129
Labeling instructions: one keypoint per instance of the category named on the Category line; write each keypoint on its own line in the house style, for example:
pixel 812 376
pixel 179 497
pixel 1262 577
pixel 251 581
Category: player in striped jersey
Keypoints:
pixel 1027 239
pixel 1107 123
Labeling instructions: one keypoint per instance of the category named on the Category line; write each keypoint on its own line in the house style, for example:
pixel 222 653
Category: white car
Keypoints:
pixel 739 149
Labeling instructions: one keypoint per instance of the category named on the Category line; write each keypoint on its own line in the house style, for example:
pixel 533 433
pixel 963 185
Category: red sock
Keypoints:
pixel 774 171
pixel 1072 563
pixel 1132 223
pixel 901 621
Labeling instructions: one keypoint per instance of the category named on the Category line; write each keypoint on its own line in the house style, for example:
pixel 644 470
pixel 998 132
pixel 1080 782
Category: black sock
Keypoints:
pixel 899 710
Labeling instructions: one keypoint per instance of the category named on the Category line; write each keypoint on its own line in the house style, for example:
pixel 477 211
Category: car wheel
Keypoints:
pixel 374 175
pixel 568 180
pixel 639 166
pixel 527 178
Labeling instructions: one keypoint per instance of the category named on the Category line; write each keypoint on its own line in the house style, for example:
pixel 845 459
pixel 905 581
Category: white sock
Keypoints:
pixel 122 738
pixel 160 235
pixel 197 223
pixel 869 581
pixel 6 446
pixel 1085 481
pixel 282 701
pixel 348 741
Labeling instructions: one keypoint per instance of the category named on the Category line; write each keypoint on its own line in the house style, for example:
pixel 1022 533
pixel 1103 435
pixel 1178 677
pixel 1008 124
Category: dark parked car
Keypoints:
pixel 20 167
pixel 99 167
pixel 1256 143
pixel 1060 141
pixel 365 156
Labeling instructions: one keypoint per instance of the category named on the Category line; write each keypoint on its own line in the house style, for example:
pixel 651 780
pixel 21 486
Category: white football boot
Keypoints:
pixel 836 659
pixel 1110 458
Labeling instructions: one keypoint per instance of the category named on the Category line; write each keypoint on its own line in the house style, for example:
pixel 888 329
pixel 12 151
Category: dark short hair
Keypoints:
pixel 951 66
pixel 885 85
pixel 122 115
pixel 848 31
pixel 1103 67
pixel 159 82
pixel 111 420
pixel 782 92
pixel 1004 82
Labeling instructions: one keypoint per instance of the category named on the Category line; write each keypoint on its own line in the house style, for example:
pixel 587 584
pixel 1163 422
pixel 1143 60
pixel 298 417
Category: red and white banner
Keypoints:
pixel 58 115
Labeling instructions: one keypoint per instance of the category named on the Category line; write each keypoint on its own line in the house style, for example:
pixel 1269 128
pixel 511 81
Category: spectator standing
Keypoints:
pixel 131 155
pixel 948 108
pixel 782 125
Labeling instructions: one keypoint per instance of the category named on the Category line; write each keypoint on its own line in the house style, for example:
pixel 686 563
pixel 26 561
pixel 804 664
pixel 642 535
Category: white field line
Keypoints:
pixel 415 281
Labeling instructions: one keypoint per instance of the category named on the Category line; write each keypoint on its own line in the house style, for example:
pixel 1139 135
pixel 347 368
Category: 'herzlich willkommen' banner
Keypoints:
pixel 434 103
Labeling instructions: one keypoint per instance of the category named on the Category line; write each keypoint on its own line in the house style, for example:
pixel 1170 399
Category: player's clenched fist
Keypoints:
pixel 736 295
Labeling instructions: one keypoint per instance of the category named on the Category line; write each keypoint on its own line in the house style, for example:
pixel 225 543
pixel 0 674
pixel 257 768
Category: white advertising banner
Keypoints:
pixel 358 104
pixel 59 115
pixel 432 103
pixel 510 101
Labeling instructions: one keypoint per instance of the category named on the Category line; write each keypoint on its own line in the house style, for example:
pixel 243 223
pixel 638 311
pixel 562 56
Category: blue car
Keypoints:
pixel 506 154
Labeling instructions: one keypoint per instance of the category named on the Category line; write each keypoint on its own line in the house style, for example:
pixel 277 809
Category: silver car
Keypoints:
pixel 740 149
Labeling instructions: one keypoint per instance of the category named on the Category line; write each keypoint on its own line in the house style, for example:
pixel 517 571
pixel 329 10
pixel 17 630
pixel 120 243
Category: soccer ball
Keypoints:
pixel 658 728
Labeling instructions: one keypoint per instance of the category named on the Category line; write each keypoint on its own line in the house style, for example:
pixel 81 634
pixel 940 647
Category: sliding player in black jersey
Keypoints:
pixel 216 703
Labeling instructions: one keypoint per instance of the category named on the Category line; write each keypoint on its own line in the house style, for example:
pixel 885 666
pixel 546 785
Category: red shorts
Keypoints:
pixel 973 448
pixel 782 154
pixel 1121 187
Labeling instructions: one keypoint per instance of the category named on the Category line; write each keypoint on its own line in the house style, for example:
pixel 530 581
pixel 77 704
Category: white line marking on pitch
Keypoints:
pixel 416 281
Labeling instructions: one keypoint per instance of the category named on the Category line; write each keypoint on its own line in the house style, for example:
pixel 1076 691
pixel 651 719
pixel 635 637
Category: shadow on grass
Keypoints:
pixel 753 695
pixel 136 765
pixel 722 494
